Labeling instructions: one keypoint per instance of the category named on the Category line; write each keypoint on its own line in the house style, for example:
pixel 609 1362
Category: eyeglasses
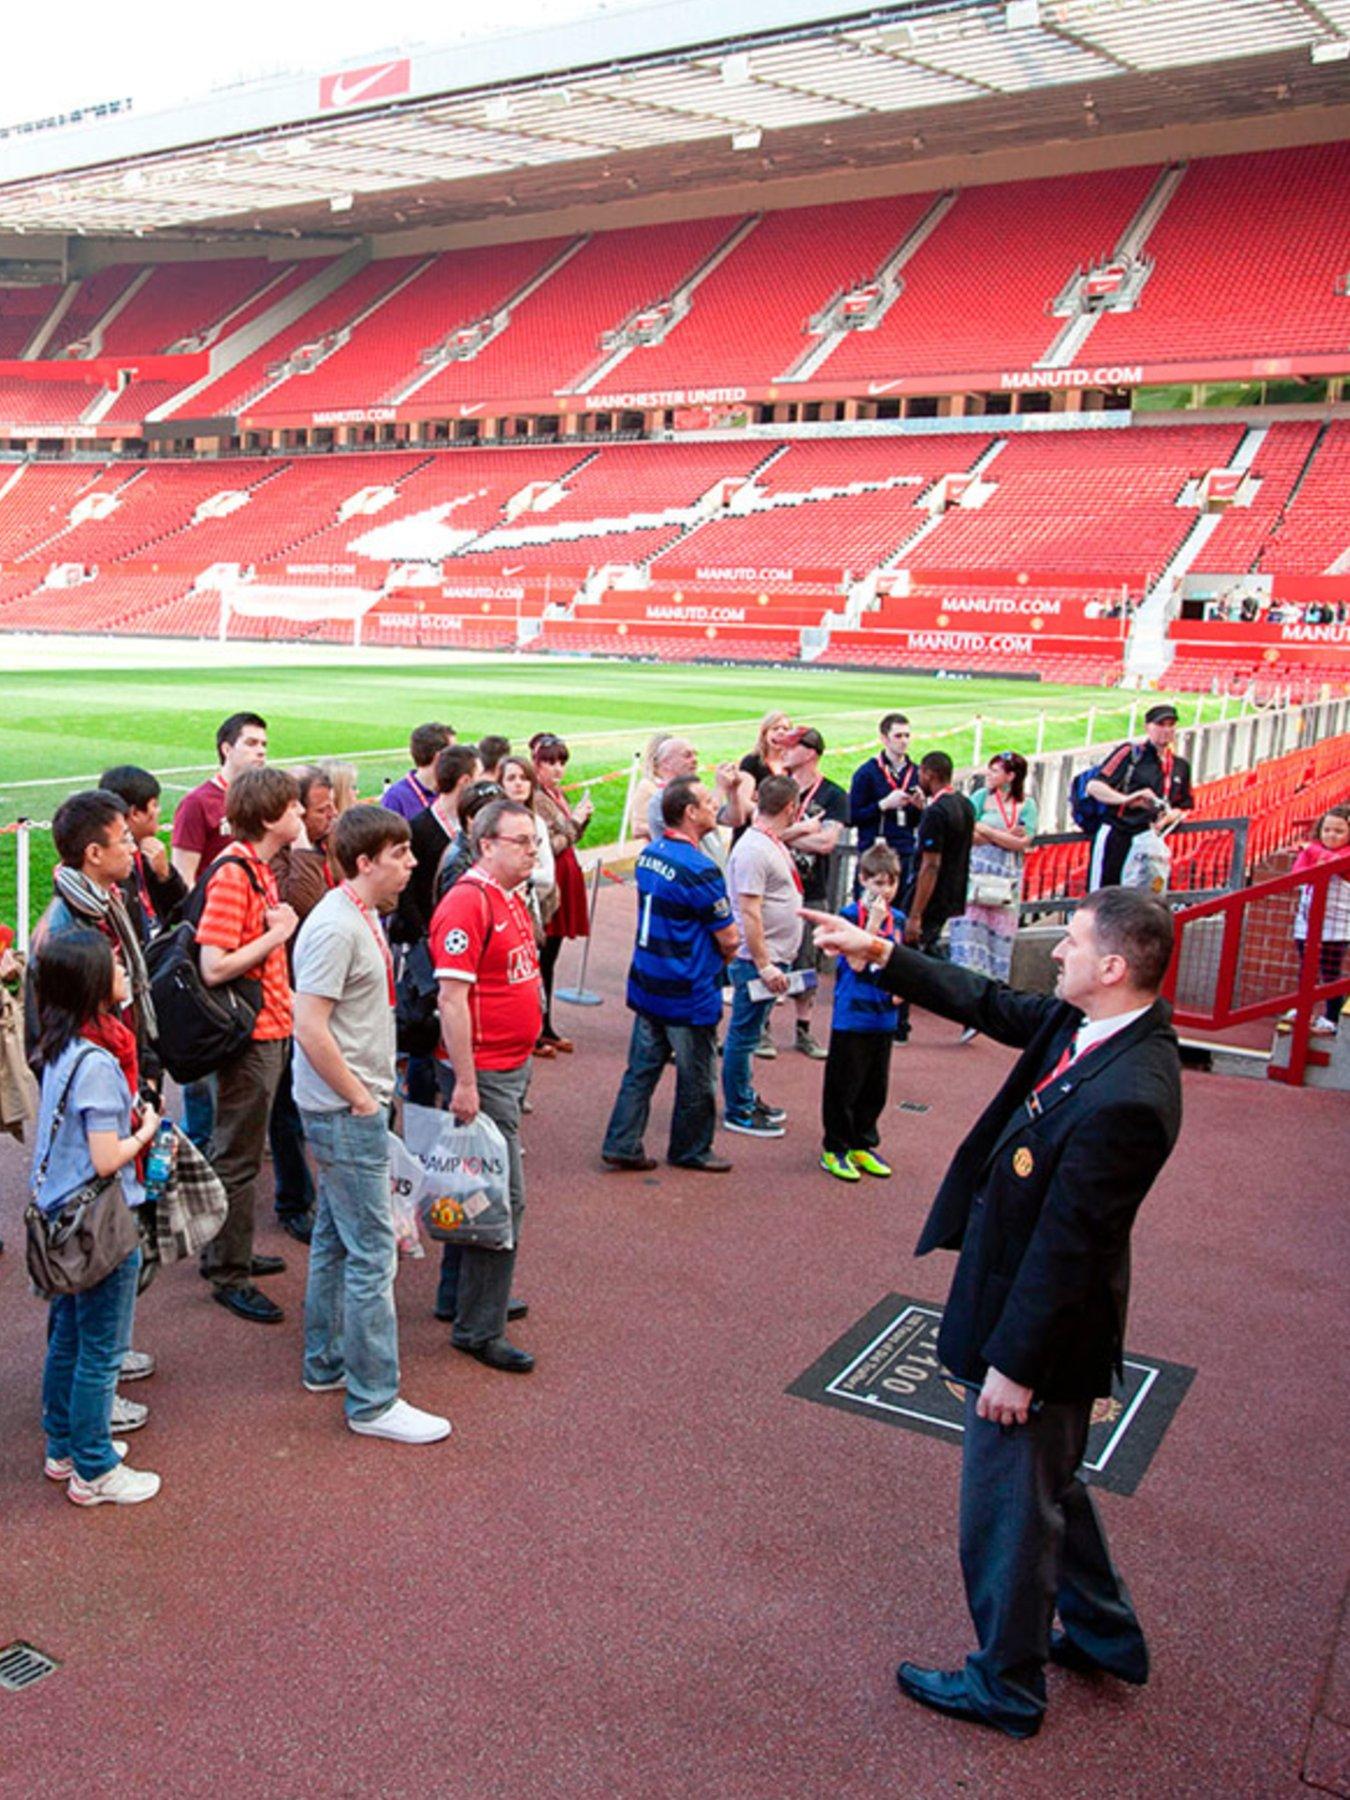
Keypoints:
pixel 521 843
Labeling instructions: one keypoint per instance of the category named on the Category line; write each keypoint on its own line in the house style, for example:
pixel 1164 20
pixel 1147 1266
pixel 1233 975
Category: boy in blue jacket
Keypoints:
pixel 858 1067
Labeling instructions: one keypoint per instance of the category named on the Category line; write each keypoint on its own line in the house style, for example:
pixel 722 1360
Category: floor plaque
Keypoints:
pixel 886 1367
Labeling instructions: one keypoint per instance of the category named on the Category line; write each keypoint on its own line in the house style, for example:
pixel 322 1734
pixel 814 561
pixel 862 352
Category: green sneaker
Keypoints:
pixel 838 1166
pixel 864 1162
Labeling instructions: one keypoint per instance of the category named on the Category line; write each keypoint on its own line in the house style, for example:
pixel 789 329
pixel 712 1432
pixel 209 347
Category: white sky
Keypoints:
pixel 158 52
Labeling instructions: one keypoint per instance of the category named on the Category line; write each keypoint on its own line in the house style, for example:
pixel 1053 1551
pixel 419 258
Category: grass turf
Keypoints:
pixel 60 729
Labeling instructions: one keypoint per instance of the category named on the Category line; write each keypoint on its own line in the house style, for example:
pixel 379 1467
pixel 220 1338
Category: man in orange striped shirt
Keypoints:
pixel 243 930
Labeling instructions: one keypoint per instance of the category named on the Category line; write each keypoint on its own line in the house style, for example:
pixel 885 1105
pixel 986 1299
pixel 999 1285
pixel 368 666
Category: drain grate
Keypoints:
pixel 912 1106
pixel 21 1665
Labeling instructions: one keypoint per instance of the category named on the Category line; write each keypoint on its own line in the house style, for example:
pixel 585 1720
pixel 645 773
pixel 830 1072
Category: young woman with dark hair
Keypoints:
pixel 1005 823
pixel 565 823
pixel 87 1133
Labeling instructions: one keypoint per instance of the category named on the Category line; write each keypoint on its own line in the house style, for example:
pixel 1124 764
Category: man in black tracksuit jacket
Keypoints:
pixel 1039 1201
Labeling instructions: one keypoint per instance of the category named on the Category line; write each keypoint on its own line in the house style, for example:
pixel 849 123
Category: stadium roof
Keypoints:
pixel 668 100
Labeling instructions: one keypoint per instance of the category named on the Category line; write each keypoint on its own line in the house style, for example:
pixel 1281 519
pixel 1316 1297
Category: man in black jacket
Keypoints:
pixel 1040 1200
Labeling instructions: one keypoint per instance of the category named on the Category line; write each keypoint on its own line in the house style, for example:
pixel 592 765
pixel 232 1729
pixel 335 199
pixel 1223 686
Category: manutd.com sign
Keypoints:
pixel 1033 380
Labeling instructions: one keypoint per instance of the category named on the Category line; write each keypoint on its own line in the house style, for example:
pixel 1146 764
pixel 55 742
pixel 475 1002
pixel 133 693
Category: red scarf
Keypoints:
pixel 107 1031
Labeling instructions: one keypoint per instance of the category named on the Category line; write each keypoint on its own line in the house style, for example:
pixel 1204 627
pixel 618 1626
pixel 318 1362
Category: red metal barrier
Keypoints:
pixel 1236 959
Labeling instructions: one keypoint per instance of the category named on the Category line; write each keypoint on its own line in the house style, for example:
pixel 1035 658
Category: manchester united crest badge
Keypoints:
pixel 1023 1162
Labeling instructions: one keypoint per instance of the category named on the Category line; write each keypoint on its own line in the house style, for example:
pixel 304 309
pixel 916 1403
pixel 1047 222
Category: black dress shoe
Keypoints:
pixel 249 1303
pixel 300 1226
pixel 640 1164
pixel 1067 1655
pixel 946 1692
pixel 267 1265
pixel 705 1165
pixel 515 1309
pixel 499 1353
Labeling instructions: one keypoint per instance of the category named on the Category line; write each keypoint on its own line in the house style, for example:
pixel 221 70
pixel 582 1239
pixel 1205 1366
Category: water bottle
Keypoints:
pixel 159 1162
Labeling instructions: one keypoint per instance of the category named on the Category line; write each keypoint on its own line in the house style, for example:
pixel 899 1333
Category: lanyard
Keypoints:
pixel 1165 761
pixel 1009 817
pixel 806 799
pixel 788 857
pixel 143 892
pixel 890 777
pixel 379 937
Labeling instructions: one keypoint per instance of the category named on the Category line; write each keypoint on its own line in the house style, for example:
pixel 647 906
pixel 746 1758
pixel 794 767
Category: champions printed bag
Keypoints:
pixel 465 1193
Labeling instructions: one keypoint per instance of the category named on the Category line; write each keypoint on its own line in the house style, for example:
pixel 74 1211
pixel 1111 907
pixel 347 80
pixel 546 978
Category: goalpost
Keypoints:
pixel 304 605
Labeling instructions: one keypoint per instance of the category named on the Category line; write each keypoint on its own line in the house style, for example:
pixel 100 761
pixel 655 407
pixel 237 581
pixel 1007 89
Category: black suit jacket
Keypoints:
pixel 1041 1196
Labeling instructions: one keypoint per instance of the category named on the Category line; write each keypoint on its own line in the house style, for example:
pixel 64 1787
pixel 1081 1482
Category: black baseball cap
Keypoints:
pixel 1161 715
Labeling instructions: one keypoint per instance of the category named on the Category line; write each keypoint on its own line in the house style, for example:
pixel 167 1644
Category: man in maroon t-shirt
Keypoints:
pixel 199 830
pixel 487 964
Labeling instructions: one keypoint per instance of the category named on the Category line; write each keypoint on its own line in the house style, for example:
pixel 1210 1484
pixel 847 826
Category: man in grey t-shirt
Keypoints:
pixel 766 895
pixel 344 1081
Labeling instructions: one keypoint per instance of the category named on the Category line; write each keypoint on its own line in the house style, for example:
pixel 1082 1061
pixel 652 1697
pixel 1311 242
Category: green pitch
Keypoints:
pixel 60 729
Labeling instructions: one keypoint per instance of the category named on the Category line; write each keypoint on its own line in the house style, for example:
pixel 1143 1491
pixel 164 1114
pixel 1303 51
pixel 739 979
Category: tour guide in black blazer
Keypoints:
pixel 1039 1201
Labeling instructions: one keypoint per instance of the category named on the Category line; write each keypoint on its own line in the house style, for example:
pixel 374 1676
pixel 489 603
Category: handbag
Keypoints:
pixel 193 1206
pixel 991 890
pixel 82 1241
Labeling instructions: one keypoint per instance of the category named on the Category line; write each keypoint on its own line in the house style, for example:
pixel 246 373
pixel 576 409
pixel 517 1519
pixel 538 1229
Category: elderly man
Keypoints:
pixel 1040 1200
pixel 733 788
pixel 1141 784
pixel 685 935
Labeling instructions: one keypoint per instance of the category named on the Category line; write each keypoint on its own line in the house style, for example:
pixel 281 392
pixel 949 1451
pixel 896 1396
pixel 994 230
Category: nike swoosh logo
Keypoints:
pixel 343 94
pixel 516 569
pixel 882 387
pixel 467 412
pixel 501 926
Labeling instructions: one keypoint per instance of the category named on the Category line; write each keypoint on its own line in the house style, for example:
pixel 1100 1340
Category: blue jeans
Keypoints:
pixel 350 1324
pixel 654 1043
pixel 87 1336
pixel 199 1112
pixel 747 1021
pixel 295 1184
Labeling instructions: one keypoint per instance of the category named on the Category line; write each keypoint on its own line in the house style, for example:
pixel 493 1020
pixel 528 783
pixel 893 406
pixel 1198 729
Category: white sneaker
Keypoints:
pixel 405 1424
pixel 121 1486
pixel 1323 1027
pixel 127 1415
pixel 137 1365
pixel 61 1468
pixel 323 1387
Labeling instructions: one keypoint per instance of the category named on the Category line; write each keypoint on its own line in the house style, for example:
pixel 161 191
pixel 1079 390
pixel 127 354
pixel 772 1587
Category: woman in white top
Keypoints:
pixel 518 783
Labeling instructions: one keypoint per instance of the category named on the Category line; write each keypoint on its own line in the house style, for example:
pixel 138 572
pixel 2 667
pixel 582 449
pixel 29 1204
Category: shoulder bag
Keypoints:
pixel 81 1242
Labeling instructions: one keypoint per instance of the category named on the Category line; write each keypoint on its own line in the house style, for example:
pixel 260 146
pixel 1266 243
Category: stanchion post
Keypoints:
pixel 977 741
pixel 1134 719
pixel 581 995
pixel 1040 735
pixel 1091 726
pixel 22 886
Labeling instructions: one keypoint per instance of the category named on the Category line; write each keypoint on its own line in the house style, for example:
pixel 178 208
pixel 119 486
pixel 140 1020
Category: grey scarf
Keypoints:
pixel 105 907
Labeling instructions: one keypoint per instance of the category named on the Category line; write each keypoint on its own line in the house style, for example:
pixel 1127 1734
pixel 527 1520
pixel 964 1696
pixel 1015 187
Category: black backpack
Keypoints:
pixel 200 1027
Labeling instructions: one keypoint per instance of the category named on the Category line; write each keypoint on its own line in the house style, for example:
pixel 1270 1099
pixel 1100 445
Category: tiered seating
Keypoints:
pixel 553 339
pixel 234 391
pixel 565 556
pixel 838 462
pixel 180 299
pixel 1096 504
pixel 1243 531
pixel 853 533
pixel 1247 258
pixel 115 602
pixel 748 319
pixel 96 294
pixel 22 310
pixel 648 478
pixel 1315 532
pixel 383 357
pixel 139 398
pixel 977 292
pixel 154 503
pixel 45 402
pixel 37 506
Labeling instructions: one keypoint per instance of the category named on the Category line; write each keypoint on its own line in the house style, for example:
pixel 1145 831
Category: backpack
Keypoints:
pixel 1088 813
pixel 200 1027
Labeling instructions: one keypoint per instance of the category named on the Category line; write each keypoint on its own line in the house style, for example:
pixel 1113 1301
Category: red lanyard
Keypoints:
pixel 378 936
pixel 788 857
pixel 143 892
pixel 890 777
pixel 1066 1060
pixel 1009 818
pixel 808 797
pixel 1165 761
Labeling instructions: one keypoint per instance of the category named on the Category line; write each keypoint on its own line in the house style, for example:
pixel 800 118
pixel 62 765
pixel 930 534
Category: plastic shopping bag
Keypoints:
pixel 406 1181
pixel 466 1191
pixel 1148 863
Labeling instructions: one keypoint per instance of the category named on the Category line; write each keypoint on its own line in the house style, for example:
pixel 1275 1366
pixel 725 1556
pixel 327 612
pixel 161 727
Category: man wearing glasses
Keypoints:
pixel 487 966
